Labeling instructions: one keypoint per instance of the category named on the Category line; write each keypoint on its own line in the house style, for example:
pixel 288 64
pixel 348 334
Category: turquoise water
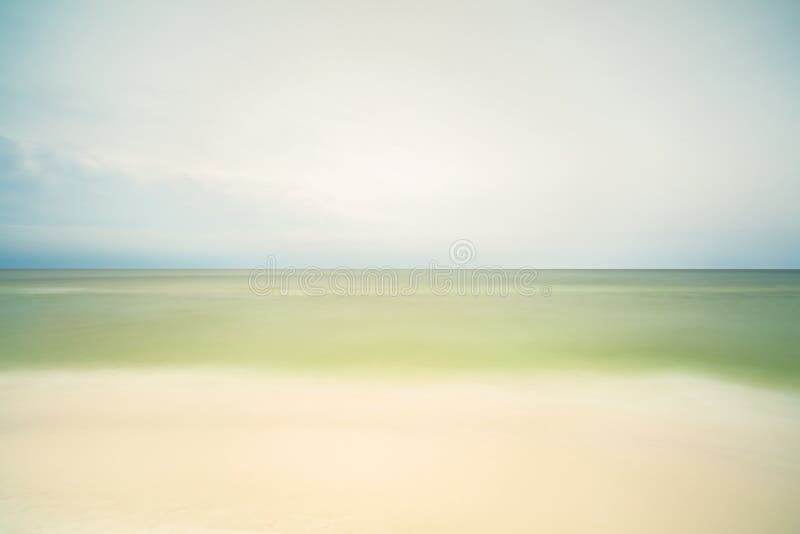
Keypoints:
pixel 739 324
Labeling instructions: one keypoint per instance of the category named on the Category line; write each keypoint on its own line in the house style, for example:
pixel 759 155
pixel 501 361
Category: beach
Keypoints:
pixel 399 267
pixel 213 451
pixel 192 402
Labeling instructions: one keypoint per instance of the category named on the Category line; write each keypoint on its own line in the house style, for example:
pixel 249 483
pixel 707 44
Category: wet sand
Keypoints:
pixel 219 451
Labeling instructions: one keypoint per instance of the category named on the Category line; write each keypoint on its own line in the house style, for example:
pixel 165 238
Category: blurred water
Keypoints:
pixel 740 324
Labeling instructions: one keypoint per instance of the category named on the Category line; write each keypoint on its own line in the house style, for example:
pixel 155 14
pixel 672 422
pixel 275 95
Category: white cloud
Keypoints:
pixel 552 134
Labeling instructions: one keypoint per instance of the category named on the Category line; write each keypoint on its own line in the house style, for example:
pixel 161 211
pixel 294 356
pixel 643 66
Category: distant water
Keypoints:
pixel 740 324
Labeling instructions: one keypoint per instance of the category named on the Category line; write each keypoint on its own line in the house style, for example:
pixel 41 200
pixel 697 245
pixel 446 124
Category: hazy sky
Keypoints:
pixel 552 134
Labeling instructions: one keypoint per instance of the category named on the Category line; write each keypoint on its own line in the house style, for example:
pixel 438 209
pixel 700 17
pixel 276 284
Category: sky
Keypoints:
pixel 550 134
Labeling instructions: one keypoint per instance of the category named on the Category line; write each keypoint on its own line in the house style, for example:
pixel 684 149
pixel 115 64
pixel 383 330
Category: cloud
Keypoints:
pixel 551 134
pixel 56 204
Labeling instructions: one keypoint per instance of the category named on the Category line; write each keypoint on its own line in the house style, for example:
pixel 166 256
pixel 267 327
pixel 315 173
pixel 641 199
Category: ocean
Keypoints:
pixel 739 325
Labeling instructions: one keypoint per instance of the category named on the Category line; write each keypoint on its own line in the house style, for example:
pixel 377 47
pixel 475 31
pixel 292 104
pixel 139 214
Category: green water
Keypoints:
pixel 739 324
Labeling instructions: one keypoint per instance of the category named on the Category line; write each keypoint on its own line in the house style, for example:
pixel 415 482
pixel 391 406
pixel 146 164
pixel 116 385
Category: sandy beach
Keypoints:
pixel 218 451
pixel 399 267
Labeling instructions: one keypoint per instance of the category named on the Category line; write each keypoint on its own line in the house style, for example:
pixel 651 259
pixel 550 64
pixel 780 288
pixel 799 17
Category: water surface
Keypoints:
pixel 736 324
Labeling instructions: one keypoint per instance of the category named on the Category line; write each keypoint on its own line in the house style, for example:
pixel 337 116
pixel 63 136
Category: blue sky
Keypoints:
pixel 552 134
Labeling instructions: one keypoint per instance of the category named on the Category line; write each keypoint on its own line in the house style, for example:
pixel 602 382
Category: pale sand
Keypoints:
pixel 224 452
